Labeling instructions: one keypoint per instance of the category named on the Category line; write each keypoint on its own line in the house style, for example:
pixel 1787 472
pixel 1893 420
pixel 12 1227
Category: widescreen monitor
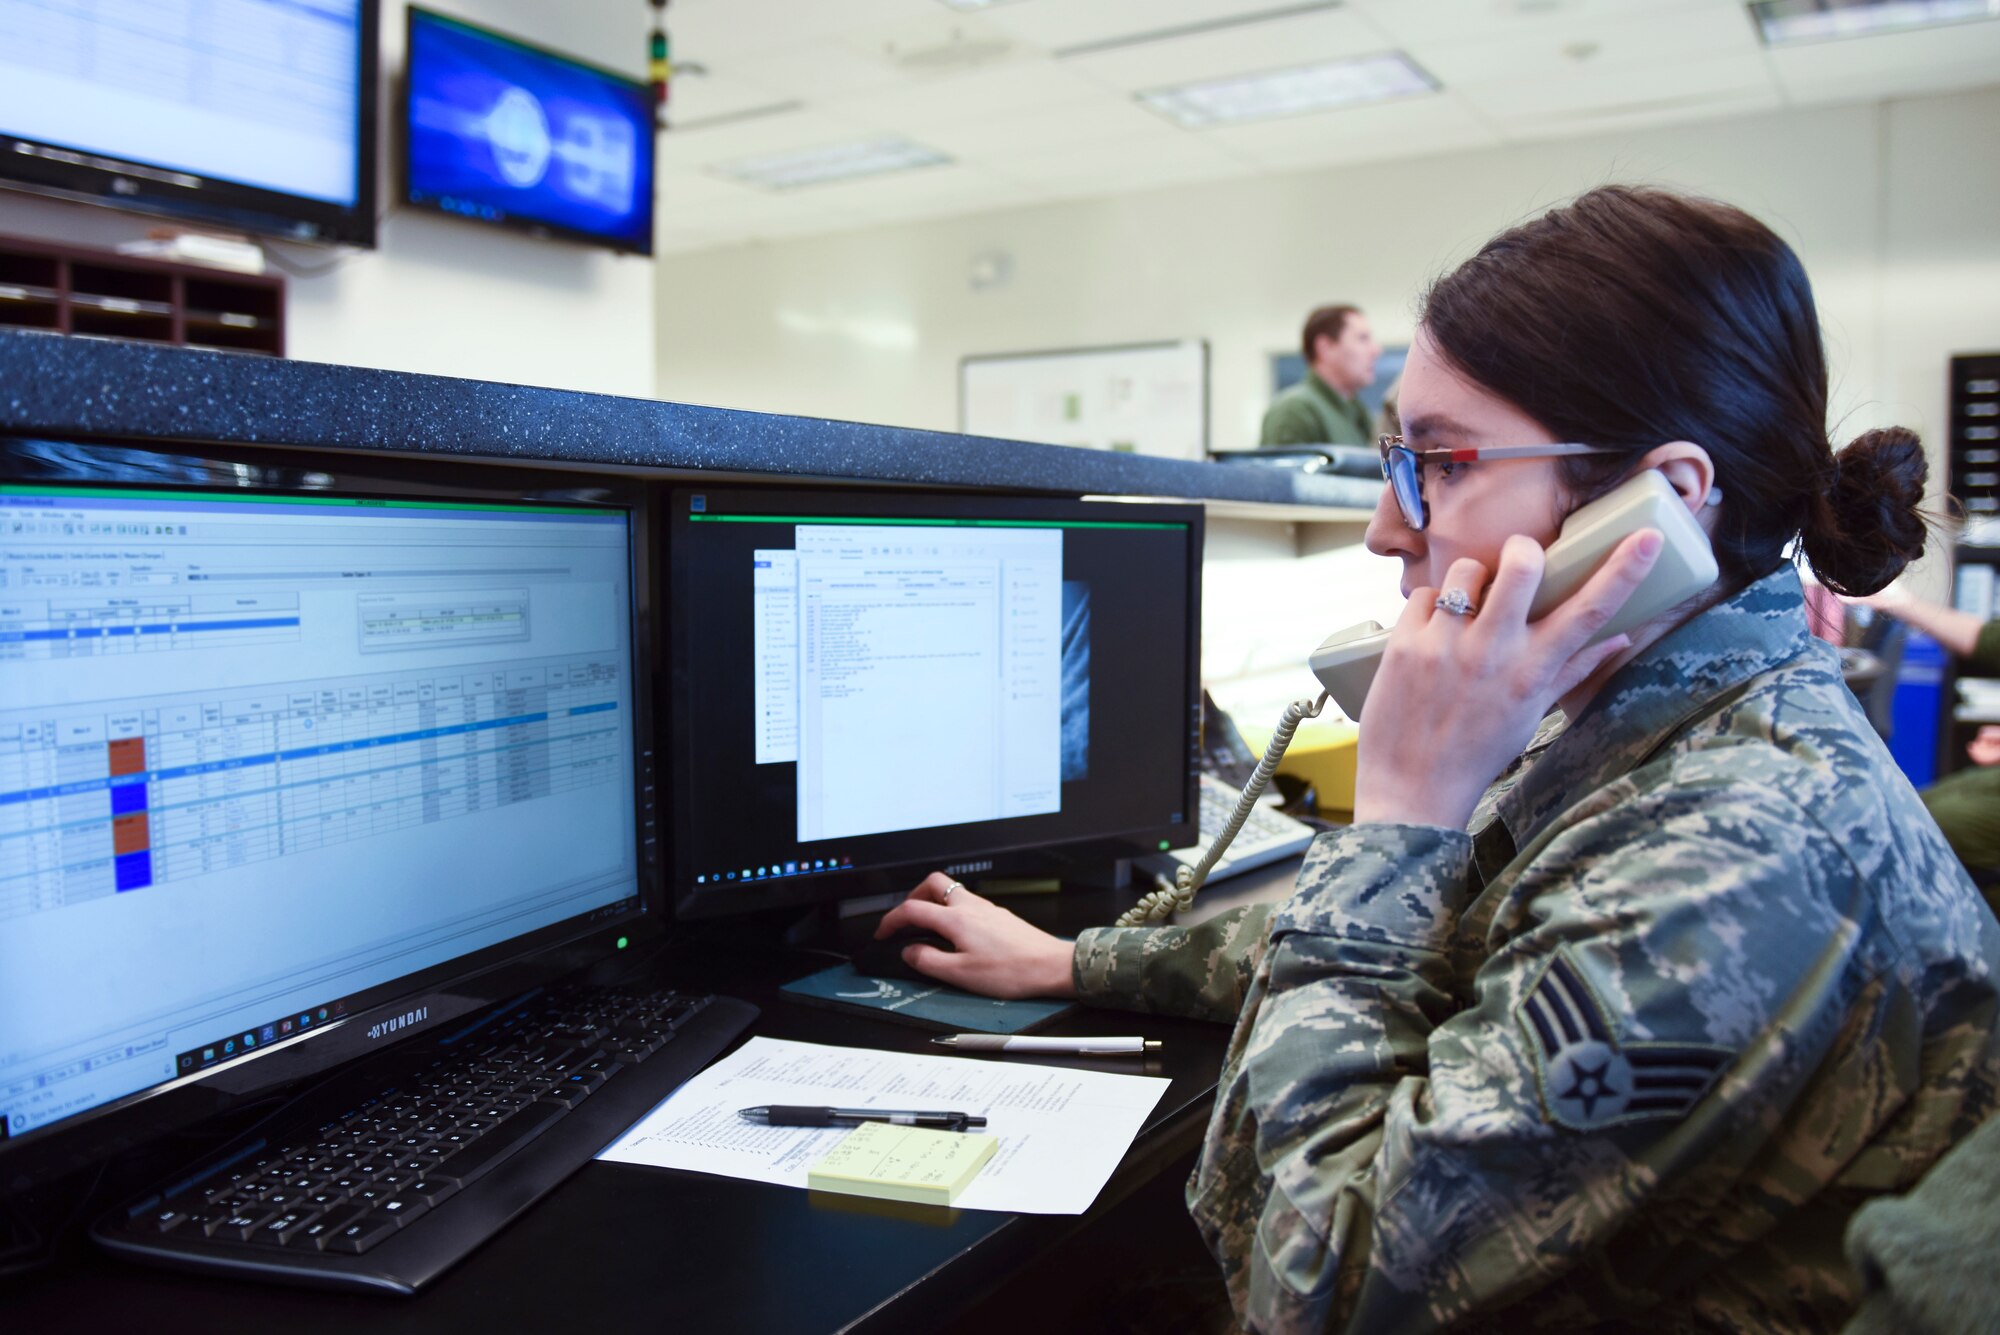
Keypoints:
pixel 869 687
pixel 282 766
pixel 256 115
pixel 498 131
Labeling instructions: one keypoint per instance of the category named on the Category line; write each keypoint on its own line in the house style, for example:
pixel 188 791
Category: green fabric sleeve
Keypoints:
pixel 1986 650
pixel 1199 972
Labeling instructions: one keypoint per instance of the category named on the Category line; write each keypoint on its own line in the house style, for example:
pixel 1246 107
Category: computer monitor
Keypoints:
pixel 283 765
pixel 866 687
pixel 498 131
pixel 250 114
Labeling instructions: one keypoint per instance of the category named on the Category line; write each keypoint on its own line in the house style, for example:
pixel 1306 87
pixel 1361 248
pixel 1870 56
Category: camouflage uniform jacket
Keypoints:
pixel 1703 978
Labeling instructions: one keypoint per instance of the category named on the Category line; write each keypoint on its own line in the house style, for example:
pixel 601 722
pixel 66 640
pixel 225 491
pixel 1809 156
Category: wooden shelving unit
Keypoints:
pixel 75 290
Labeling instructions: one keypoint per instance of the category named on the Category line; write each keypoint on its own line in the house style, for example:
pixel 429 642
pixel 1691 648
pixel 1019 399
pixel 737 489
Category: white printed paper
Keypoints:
pixel 1060 1131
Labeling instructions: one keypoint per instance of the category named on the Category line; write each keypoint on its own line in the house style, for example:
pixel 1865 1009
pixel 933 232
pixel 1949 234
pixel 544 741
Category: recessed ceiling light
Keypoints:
pixel 1290 92
pixel 1783 22
pixel 836 162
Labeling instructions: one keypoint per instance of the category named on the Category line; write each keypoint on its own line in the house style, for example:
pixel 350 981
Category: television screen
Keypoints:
pixel 257 115
pixel 503 132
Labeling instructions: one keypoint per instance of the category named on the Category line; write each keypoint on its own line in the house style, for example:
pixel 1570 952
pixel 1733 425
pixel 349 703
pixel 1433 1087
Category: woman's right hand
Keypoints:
pixel 996 954
pixel 1985 748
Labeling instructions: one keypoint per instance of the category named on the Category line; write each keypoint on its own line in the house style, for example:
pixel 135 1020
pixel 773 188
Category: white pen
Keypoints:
pixel 1014 1043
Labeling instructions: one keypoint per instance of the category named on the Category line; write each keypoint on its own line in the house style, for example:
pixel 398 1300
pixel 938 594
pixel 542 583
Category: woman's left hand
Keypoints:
pixel 1458 697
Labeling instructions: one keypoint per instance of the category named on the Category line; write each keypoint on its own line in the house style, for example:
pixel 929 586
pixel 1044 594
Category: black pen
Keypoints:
pixel 792 1114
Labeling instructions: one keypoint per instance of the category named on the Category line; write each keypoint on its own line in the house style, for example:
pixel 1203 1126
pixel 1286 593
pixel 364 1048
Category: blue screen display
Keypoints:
pixel 504 133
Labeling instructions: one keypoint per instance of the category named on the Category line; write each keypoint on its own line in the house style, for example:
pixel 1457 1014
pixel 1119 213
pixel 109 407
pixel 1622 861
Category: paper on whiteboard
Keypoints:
pixel 1060 1131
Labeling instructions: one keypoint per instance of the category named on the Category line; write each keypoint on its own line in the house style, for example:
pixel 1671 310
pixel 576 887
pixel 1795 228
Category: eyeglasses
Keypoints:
pixel 1403 468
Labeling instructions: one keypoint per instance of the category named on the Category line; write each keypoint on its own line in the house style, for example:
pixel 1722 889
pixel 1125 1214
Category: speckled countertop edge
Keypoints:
pixel 106 388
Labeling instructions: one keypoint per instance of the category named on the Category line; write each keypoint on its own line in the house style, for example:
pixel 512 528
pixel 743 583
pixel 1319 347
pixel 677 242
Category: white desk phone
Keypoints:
pixel 1346 661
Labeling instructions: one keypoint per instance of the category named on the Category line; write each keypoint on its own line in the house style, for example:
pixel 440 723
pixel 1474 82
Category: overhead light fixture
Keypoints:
pixel 1290 92
pixel 836 162
pixel 1787 22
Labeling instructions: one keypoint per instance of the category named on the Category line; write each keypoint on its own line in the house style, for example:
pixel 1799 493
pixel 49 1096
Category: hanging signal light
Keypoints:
pixel 659 62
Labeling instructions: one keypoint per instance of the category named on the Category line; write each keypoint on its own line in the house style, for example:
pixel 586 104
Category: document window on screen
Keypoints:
pixel 887 653
pixel 259 754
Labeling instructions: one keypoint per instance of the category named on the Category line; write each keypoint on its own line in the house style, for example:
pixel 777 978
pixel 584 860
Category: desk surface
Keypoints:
pixel 630 1248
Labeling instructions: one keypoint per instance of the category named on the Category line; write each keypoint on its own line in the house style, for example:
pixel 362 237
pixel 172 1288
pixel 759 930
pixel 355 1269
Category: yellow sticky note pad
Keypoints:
pixel 902 1163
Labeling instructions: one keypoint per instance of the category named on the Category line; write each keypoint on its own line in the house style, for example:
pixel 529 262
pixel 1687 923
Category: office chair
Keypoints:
pixel 1884 638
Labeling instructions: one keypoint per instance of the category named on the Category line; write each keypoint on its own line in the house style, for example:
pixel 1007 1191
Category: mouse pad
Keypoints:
pixel 932 1005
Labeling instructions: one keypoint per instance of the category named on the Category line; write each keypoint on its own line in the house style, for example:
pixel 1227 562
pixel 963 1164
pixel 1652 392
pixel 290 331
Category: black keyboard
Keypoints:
pixel 387 1177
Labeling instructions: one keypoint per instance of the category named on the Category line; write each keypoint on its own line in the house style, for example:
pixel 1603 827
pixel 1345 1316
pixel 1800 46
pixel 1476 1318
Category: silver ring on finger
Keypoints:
pixel 1457 602
pixel 945 898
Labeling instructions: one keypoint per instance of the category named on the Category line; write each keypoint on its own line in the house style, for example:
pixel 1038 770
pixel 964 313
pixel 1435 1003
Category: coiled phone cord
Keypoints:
pixel 1163 903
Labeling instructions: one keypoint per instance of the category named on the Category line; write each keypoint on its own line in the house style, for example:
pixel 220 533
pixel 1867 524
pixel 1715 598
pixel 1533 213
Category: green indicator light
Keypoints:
pixel 623 941
pixel 1163 845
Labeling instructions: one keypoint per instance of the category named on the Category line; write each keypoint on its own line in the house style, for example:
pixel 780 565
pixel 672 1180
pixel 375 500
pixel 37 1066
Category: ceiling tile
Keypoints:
pixel 1889 64
pixel 699 97
pixel 928 192
pixel 1407 127
pixel 1532 103
pixel 1060 23
pixel 1109 116
pixel 813 71
pixel 988 93
pixel 1590 46
pixel 703 146
pixel 1414 22
pixel 720 28
pixel 1280 44
pixel 1118 165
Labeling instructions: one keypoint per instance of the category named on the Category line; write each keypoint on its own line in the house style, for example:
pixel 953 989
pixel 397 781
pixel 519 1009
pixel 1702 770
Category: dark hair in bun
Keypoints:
pixel 1632 317
pixel 1866 526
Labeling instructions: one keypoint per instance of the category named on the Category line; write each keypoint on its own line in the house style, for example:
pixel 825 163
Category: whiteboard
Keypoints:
pixel 1141 398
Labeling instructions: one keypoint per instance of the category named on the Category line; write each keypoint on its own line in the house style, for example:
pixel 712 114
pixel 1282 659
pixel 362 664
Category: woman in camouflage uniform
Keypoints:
pixel 1641 966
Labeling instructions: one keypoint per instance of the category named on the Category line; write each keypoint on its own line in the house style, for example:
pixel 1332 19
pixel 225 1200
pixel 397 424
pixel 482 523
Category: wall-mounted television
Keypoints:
pixel 499 131
pixel 254 115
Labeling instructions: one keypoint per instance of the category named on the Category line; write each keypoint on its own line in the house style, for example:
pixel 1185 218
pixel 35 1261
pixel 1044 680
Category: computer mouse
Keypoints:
pixel 884 958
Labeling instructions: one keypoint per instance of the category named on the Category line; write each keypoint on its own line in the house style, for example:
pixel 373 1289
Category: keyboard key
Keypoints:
pixel 403 1208
pixel 432 1189
pixel 314 1235
pixel 166 1221
pixel 279 1231
pixel 469 1163
pixel 361 1234
pixel 241 1224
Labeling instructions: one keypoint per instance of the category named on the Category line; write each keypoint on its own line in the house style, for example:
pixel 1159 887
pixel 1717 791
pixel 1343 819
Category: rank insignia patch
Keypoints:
pixel 1591 1080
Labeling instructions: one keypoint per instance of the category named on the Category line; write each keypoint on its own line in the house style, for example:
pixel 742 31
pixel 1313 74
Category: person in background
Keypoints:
pixel 1966 805
pixel 1624 1040
pixel 1340 352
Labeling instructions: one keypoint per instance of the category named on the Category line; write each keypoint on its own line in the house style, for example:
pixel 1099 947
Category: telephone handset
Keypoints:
pixel 1345 661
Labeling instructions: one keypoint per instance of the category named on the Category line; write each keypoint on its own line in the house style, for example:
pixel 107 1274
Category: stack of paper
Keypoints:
pixel 1057 1133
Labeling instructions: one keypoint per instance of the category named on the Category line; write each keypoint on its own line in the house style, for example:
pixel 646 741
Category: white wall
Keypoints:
pixel 440 295
pixel 1894 207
